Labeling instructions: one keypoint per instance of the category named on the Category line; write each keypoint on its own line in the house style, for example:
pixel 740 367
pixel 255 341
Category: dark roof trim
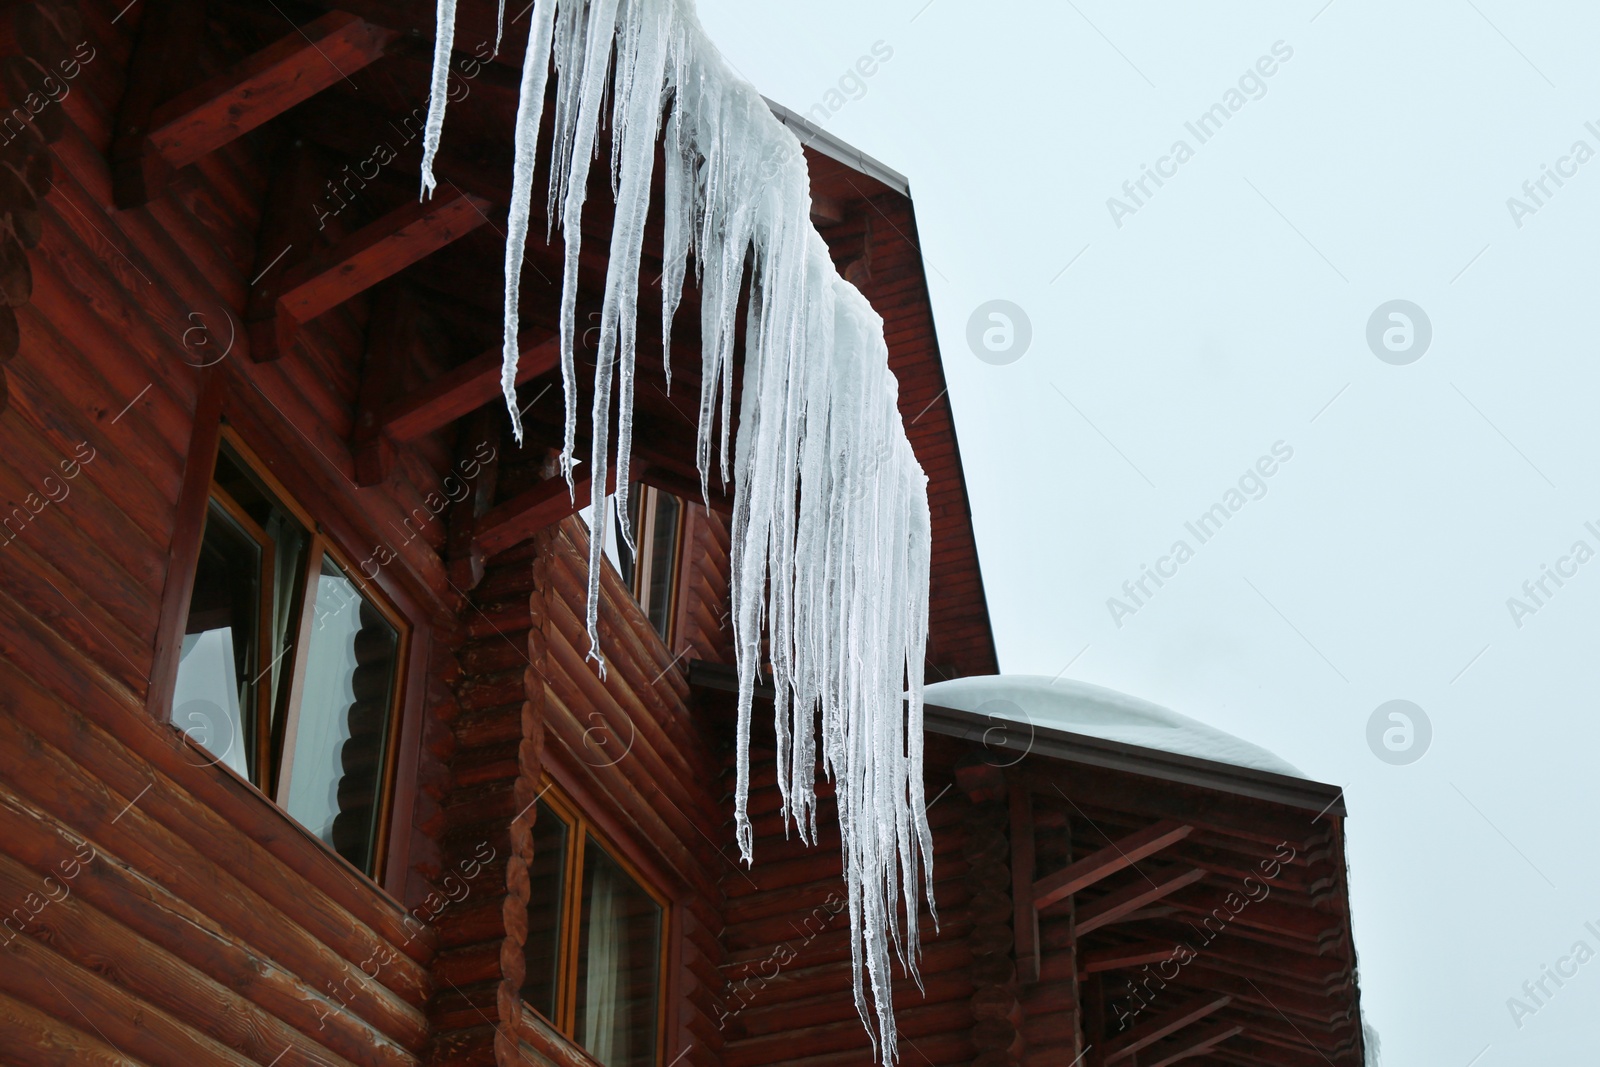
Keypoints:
pixel 816 138
pixel 1092 751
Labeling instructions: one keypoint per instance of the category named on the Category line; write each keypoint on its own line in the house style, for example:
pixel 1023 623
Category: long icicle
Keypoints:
pixel 831 533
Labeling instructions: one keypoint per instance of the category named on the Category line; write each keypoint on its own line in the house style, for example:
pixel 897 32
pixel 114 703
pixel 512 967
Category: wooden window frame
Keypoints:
pixel 580 828
pixel 231 408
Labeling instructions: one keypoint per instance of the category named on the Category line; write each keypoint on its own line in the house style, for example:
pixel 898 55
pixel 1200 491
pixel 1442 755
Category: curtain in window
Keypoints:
pixel 605 1024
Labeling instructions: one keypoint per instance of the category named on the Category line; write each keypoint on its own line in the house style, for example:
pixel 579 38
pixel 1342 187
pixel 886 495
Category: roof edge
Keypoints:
pixel 815 137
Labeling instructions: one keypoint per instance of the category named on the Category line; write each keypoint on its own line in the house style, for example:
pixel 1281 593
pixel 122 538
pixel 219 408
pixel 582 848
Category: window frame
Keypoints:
pixel 230 409
pixel 580 828
pixel 638 580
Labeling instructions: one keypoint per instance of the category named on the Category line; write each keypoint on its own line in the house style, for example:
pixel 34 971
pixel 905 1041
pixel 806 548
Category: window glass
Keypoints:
pixel 547 874
pixel 654 517
pixel 342 727
pixel 619 964
pixel 297 697
pixel 216 701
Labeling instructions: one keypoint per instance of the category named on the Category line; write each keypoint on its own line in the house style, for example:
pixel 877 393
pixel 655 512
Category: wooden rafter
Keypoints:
pixel 1107 861
pixel 377 251
pixel 1151 886
pixel 1123 956
pixel 532 510
pixel 1191 1043
pixel 462 391
pixel 1167 1023
pixel 156 136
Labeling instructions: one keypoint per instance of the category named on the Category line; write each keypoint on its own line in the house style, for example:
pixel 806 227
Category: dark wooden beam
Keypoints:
pixel 462 391
pixel 1107 861
pixel 1134 955
pixel 200 120
pixel 169 38
pixel 393 335
pixel 534 509
pixel 1025 917
pixel 1167 1023
pixel 377 251
pixel 1194 1043
pixel 478 463
pixel 1149 886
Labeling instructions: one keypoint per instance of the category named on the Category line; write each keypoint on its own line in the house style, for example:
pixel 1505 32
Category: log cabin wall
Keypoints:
pixel 160 910
pixel 528 712
pixel 787 941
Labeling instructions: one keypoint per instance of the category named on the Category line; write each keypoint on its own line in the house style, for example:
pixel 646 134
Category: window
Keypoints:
pixel 656 519
pixel 289 668
pixel 594 955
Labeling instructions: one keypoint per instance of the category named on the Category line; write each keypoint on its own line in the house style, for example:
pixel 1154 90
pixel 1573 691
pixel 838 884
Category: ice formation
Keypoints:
pixel 830 527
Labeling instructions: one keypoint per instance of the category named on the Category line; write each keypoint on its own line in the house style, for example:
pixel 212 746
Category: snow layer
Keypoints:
pixel 830 526
pixel 1081 708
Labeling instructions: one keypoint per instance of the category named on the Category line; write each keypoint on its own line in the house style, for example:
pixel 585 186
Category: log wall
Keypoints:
pixel 158 910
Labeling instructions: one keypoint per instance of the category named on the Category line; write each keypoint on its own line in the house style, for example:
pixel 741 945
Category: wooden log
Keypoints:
pixel 463 390
pixel 169 37
pixel 150 911
pixel 298 66
pixel 377 251
pixel 1104 862
pixel 533 510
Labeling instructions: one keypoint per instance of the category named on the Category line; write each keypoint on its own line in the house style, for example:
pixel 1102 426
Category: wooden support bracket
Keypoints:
pixel 1169 1022
pixel 532 510
pixel 156 135
pixel 1107 861
pixel 1121 903
pixel 375 252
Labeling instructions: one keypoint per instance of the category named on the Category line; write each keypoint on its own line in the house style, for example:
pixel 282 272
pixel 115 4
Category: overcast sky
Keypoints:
pixel 1177 338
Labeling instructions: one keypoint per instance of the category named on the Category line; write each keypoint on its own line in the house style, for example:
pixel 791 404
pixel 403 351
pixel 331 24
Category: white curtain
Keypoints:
pixel 605 1023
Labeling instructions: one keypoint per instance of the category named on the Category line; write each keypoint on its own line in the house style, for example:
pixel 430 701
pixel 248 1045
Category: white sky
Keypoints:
pixel 1223 316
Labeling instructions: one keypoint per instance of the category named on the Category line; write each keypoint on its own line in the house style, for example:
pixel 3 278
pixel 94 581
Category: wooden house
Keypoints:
pixel 301 761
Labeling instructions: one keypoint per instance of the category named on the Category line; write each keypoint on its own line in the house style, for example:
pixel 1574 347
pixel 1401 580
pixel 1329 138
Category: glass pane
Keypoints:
pixel 342 729
pixel 619 964
pixel 663 548
pixel 290 541
pixel 215 701
pixel 546 888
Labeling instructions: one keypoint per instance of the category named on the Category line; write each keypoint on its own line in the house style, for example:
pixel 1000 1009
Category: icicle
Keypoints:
pixel 444 40
pixel 831 535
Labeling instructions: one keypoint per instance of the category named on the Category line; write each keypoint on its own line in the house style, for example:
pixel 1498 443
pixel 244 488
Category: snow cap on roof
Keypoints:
pixel 1094 711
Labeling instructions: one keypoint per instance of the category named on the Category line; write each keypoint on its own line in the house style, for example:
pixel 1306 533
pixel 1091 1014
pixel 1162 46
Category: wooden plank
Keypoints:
pixel 1169 1022
pixel 533 509
pixel 377 251
pixel 463 390
pixel 1135 955
pixel 1190 1044
pixel 1025 916
pixel 1124 902
pixel 288 72
pixel 1107 861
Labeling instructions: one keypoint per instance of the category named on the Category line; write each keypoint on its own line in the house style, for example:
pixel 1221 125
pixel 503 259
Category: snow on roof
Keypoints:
pixel 1094 711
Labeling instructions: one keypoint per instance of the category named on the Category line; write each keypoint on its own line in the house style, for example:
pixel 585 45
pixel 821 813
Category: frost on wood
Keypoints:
pixel 830 524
